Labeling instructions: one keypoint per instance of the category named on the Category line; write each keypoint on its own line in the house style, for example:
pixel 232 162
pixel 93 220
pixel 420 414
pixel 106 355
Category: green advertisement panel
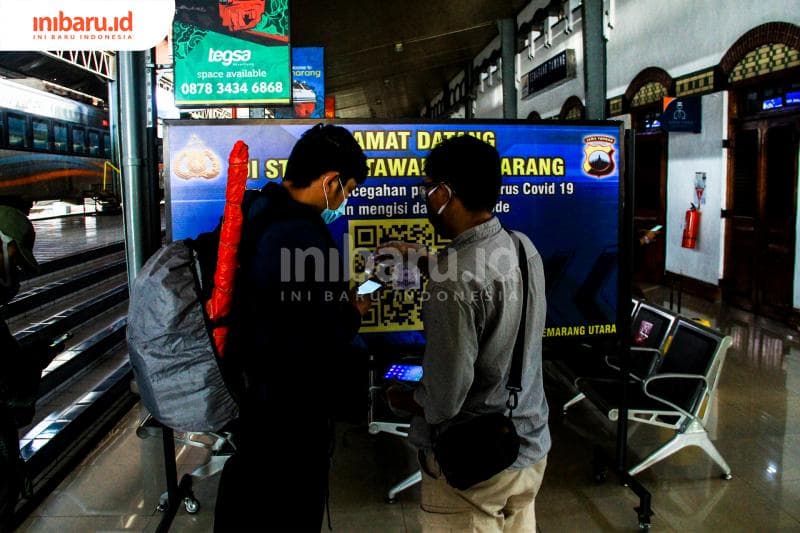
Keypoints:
pixel 231 53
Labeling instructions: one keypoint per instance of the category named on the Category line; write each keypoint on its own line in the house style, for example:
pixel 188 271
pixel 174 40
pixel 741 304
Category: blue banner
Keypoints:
pixel 561 187
pixel 308 84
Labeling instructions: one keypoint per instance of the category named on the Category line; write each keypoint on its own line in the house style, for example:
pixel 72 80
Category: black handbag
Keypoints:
pixel 475 450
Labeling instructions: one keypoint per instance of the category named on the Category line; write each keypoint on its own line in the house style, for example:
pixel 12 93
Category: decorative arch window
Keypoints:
pixel 765 59
pixel 649 93
pixel 573 109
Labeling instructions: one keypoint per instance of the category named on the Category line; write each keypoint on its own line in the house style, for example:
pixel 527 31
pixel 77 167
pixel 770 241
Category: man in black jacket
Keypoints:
pixel 16 253
pixel 293 319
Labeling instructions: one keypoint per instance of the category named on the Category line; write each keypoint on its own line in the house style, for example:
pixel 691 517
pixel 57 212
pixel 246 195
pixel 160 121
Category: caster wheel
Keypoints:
pixel 191 505
pixel 727 477
pixel 391 500
pixel 645 526
pixel 163 503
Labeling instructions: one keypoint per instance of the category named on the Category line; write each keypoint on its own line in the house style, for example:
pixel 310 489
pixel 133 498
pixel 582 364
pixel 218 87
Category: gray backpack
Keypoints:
pixel 170 348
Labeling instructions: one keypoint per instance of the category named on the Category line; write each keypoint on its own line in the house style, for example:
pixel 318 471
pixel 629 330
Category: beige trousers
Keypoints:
pixel 504 502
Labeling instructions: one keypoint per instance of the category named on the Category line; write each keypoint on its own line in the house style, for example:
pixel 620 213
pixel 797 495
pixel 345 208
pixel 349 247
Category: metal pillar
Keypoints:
pixel 136 182
pixel 594 59
pixel 508 44
pixel 113 132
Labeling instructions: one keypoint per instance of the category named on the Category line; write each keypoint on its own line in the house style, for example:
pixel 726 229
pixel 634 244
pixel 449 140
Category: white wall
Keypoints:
pixel 682 36
pixel 489 103
pixel 548 103
pixel 690 153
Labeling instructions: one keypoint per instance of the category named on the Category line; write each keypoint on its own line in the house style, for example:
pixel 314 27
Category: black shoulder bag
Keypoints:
pixel 475 450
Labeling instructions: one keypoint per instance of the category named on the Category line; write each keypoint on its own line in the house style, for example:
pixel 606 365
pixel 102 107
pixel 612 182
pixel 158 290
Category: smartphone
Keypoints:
pixel 657 228
pixel 404 372
pixel 368 287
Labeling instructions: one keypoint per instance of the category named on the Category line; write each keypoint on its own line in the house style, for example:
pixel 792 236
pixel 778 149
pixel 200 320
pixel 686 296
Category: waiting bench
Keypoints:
pixel 676 365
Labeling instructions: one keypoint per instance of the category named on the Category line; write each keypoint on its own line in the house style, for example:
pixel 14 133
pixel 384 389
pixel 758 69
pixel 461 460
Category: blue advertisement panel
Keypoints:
pixel 561 187
pixel 308 84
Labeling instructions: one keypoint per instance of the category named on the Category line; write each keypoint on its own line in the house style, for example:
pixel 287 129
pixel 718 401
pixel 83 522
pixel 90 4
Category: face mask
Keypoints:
pixel 435 218
pixel 328 214
pixel 9 283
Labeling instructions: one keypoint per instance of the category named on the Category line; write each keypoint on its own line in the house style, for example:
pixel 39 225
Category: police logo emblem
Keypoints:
pixel 599 155
pixel 196 160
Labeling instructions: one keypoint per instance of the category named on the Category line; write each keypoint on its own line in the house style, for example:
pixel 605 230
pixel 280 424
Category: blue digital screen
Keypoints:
pixel 404 372
pixel 792 98
pixel 772 103
pixel 561 187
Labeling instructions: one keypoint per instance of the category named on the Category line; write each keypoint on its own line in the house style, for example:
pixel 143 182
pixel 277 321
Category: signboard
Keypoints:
pixel 682 114
pixel 561 187
pixel 555 71
pixel 308 84
pixel 233 52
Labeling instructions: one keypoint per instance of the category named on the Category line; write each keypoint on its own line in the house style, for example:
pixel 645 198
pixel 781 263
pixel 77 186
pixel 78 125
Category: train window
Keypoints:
pixel 107 146
pixel 79 140
pixel 17 132
pixel 60 137
pixel 41 137
pixel 94 142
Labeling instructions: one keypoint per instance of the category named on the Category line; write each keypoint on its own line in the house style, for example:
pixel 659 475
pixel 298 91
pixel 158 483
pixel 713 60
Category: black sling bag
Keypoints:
pixel 475 450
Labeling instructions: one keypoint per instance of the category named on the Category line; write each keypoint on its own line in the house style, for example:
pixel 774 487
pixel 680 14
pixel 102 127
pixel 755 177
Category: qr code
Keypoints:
pixel 394 310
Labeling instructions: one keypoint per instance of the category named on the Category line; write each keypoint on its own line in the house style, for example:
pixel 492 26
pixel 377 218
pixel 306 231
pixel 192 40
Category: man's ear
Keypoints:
pixel 329 179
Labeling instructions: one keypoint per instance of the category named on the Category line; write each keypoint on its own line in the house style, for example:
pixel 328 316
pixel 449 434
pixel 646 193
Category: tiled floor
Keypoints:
pixel 57 237
pixel 755 425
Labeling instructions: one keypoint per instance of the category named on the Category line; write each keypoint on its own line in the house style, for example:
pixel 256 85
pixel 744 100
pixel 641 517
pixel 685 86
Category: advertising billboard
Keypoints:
pixel 234 52
pixel 308 84
pixel 561 187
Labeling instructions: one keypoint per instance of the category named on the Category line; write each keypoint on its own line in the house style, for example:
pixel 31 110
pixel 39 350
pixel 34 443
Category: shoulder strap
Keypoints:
pixel 514 383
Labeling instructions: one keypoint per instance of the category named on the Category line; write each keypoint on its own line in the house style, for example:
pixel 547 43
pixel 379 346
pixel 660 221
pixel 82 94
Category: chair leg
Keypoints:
pixel 694 435
pixel 214 465
pixel 410 481
pixel 676 443
pixel 705 443
pixel 577 398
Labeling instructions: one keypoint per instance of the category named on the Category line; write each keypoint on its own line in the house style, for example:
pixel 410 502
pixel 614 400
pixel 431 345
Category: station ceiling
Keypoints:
pixel 368 77
pixel 44 67
pixel 383 59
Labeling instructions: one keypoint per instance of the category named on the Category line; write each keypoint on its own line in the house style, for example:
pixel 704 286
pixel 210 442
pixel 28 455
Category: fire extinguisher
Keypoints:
pixel 691 227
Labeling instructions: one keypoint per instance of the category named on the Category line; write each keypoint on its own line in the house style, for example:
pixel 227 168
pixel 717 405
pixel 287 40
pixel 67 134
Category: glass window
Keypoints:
pixel 60 137
pixel 17 134
pixel 107 146
pixel 79 140
pixel 41 138
pixel 94 142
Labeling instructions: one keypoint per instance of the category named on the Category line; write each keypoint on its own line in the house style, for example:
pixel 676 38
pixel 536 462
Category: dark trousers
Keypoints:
pixel 277 480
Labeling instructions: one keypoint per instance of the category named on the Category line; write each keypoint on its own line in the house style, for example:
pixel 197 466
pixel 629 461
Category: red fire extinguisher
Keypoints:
pixel 691 227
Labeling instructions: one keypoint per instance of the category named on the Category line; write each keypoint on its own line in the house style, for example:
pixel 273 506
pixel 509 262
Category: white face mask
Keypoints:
pixel 449 196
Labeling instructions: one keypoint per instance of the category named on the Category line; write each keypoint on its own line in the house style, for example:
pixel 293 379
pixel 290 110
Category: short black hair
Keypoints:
pixel 325 148
pixel 471 167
